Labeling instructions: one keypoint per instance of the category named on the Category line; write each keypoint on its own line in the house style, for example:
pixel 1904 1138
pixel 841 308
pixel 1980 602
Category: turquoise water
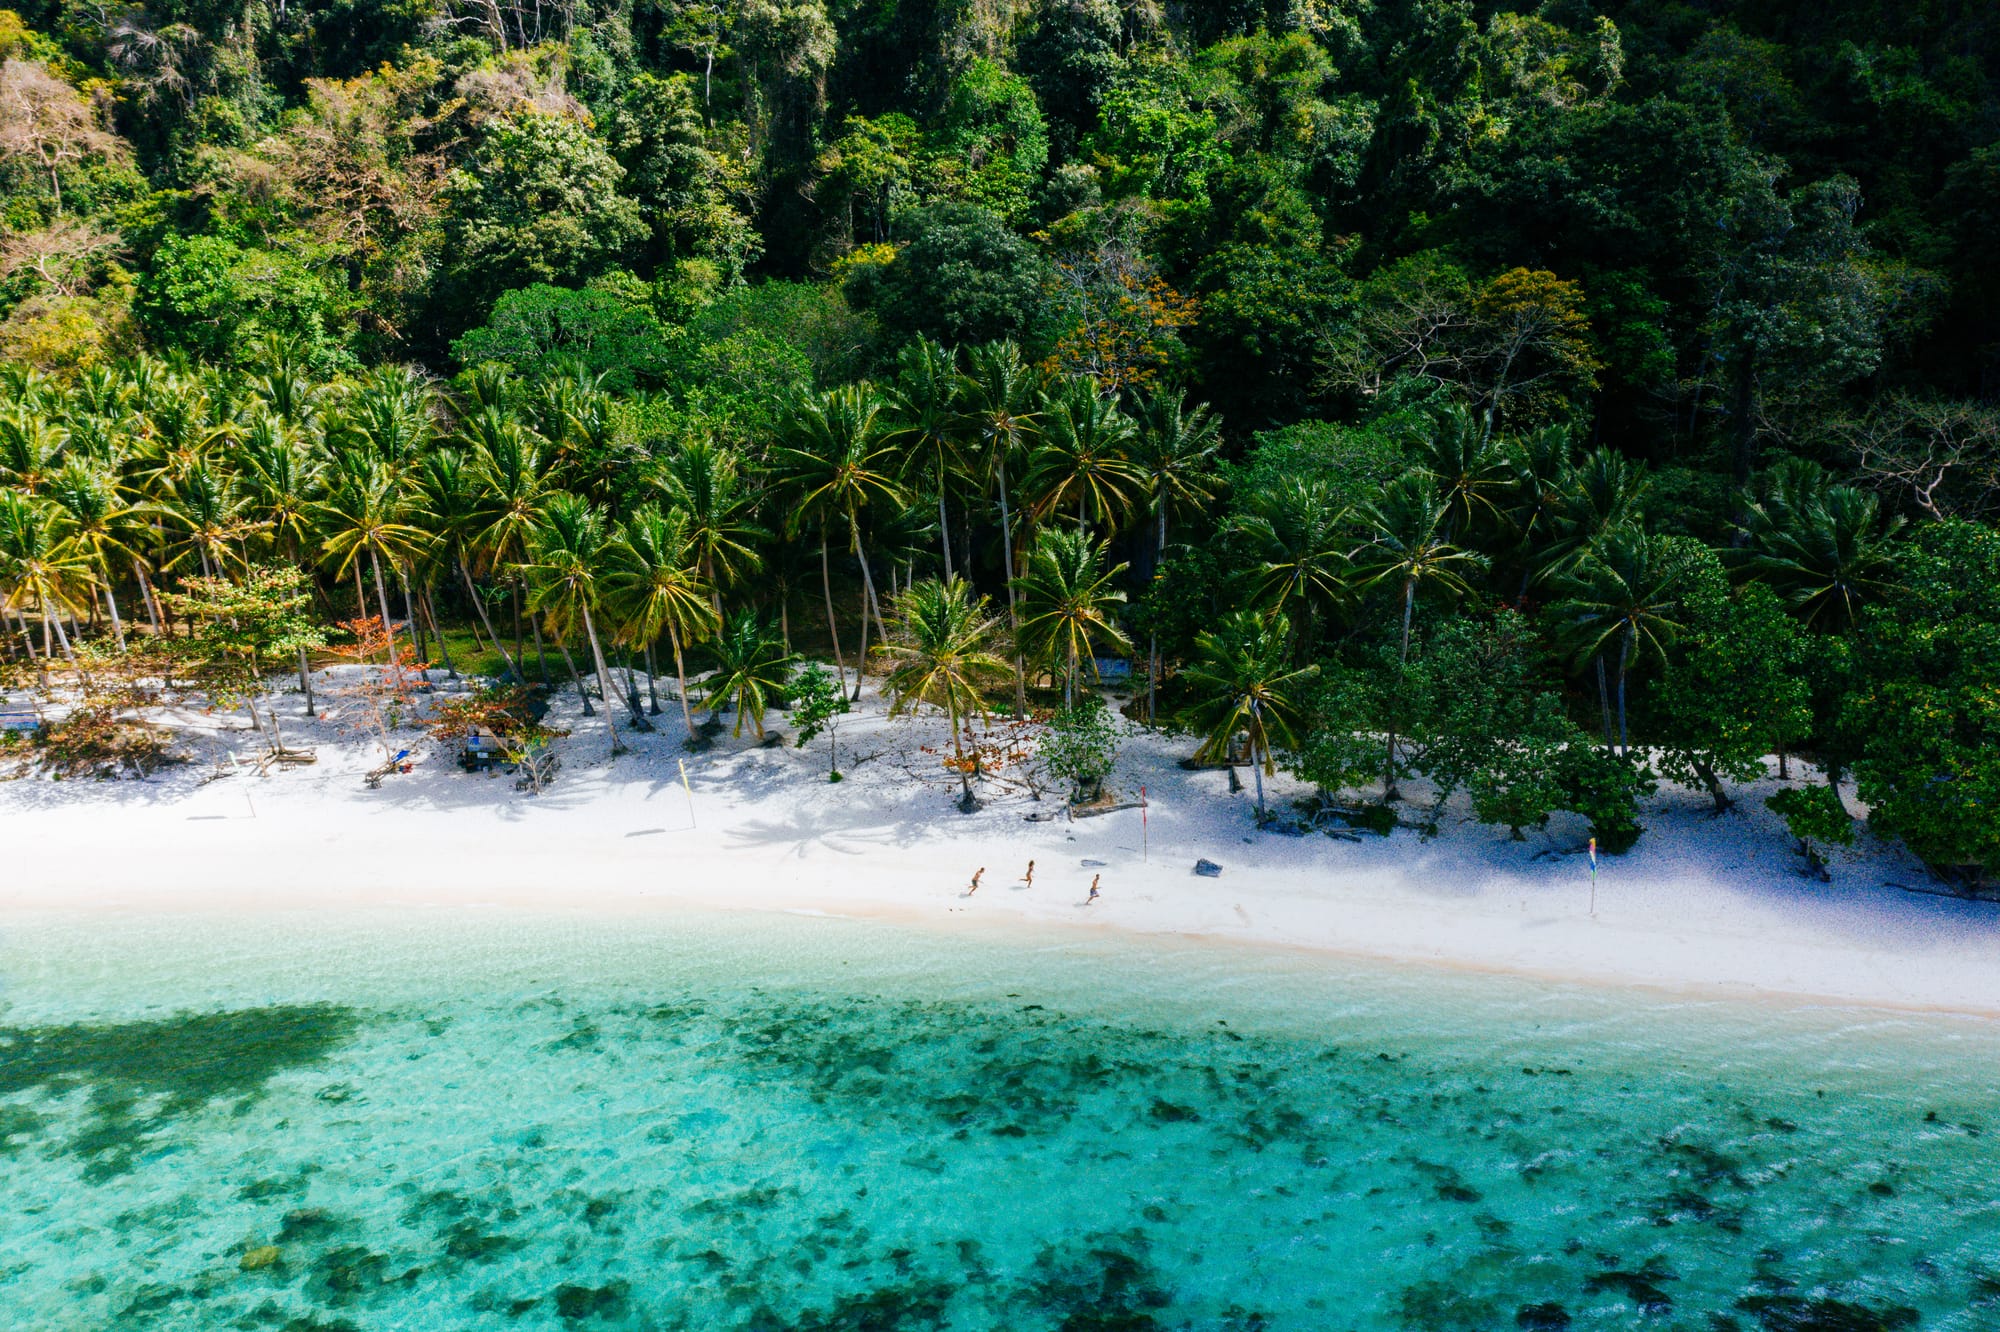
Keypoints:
pixel 492 1121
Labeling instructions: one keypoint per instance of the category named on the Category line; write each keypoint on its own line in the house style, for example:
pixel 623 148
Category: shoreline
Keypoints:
pixel 1703 908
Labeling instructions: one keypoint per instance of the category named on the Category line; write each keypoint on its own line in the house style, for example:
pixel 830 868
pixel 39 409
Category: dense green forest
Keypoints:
pixel 1543 401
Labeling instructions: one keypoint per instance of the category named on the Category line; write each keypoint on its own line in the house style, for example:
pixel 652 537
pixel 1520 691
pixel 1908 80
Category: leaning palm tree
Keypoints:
pixel 1298 534
pixel 1174 450
pixel 1411 549
pixel 41 566
pixel 837 457
pixel 1827 554
pixel 564 557
pixel 1084 461
pixel 1243 681
pixel 999 395
pixel 654 584
pixel 1066 598
pixel 942 659
pixel 1625 587
pixel 924 404
pixel 751 669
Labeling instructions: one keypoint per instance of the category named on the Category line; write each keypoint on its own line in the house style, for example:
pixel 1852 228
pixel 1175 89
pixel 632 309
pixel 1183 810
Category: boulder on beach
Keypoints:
pixel 1208 869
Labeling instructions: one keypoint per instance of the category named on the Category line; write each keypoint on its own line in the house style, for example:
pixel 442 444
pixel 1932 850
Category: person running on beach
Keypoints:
pixel 1093 889
pixel 977 875
pixel 1029 877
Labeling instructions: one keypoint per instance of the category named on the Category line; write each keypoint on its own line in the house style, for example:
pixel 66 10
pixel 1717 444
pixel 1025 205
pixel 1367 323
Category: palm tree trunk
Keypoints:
pixel 1604 702
pixel 1013 608
pixel 1389 791
pixel 1624 661
pixel 944 526
pixel 541 656
pixel 604 683
pixel 583 694
pixel 388 628
pixel 1257 756
pixel 639 721
pixel 305 681
pixel 861 653
pixel 69 653
pixel 868 581
pixel 958 754
pixel 111 604
pixel 832 627
pixel 520 653
pixel 479 604
pixel 1153 637
pixel 652 684
pixel 429 604
pixel 680 673
pixel 146 590
pixel 416 625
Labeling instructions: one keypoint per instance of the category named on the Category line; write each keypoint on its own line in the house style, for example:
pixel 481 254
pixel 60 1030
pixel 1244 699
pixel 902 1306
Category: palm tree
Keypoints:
pixel 943 659
pixel 752 669
pixel 211 519
pixel 1174 448
pixel 388 416
pixel 653 583
pixel 450 484
pixel 1411 549
pixel 279 479
pixel 837 453
pixel 1066 601
pixel 1626 586
pixel 1538 467
pixel 704 481
pixel 41 565
pixel 999 395
pixel 1084 460
pixel 925 405
pixel 366 513
pixel 1470 470
pixel 1244 681
pixel 100 524
pixel 564 555
pixel 31 449
pixel 1599 494
pixel 511 478
pixel 1827 554
pixel 1297 532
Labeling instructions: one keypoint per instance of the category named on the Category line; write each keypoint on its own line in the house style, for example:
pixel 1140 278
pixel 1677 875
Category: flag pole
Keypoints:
pixel 1145 831
pixel 689 789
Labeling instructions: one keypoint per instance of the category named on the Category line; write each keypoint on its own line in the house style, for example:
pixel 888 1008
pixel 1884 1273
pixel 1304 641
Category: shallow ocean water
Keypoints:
pixel 467 1120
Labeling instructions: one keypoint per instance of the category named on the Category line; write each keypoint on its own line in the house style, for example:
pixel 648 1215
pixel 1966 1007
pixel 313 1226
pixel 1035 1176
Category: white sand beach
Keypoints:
pixel 1713 907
